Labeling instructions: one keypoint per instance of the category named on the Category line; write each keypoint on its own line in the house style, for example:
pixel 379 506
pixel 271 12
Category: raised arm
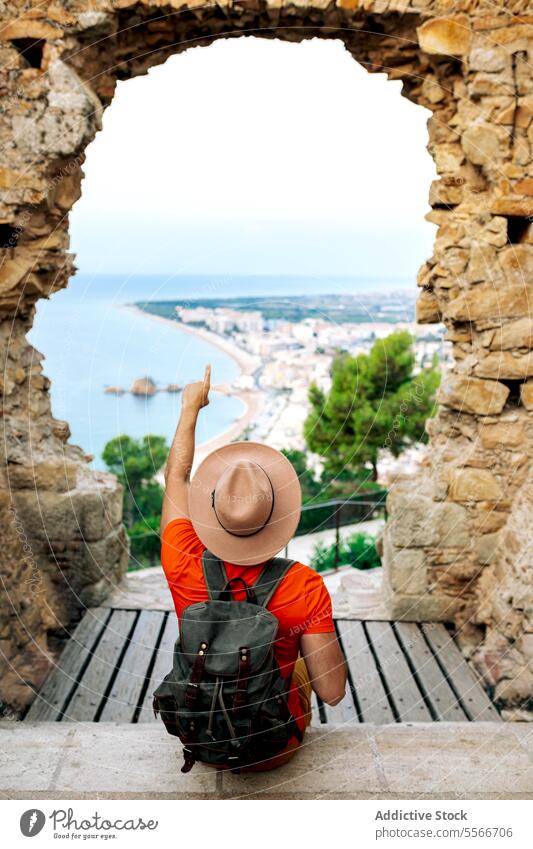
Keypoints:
pixel 181 454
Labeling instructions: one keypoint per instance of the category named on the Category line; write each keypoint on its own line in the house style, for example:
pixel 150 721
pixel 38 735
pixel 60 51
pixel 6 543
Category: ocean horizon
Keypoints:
pixel 89 343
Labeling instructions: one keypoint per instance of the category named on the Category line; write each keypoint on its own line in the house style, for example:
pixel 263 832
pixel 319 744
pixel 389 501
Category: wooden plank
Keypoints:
pixel 162 665
pixel 128 684
pixel 316 721
pixel 473 697
pixel 90 691
pixel 63 677
pixel 443 701
pixel 344 713
pixel 370 693
pixel 402 687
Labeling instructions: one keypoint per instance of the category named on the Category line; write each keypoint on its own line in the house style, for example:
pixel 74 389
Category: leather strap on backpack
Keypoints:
pixel 264 588
pixel 191 693
pixel 241 690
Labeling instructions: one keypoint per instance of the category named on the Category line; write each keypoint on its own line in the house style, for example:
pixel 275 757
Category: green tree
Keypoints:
pixel 135 462
pixel 145 542
pixel 375 403
pixel 310 487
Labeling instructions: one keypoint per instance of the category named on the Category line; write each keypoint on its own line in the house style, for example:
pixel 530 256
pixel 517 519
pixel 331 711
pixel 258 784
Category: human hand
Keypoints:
pixel 196 395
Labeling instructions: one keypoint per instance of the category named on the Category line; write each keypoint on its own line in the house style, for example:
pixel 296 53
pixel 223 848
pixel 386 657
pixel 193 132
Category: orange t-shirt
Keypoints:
pixel 301 602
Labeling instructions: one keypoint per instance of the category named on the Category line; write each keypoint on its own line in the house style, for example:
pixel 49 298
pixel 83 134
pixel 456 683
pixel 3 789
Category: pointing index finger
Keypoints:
pixel 207 377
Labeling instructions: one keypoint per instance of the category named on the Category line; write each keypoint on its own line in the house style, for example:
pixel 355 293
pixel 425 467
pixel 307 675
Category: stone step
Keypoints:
pixel 435 760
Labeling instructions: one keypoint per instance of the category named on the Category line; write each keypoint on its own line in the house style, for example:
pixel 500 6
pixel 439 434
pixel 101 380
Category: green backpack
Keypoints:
pixel 225 697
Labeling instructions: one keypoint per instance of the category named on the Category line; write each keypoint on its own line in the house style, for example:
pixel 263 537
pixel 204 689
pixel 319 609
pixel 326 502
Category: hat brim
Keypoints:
pixel 283 521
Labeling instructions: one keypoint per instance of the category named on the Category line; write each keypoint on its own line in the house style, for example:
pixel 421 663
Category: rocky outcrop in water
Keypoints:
pixel 143 386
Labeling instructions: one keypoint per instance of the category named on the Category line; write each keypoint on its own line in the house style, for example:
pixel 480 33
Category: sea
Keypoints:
pixel 90 342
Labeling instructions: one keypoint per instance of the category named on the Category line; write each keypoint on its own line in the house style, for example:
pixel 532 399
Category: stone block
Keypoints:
pixel 506 434
pixel 487 302
pixel 482 263
pixel 410 522
pixel 471 395
pixel 407 571
pixel 513 334
pixel 487 520
pixel 417 521
pixel 427 308
pixel 526 394
pixel 485 144
pixel 505 365
pixel 420 608
pixel 488 58
pixel 432 91
pixel 525 646
pixel 448 157
pixel 57 476
pixel 512 205
pixel 517 264
pixel 102 511
pixel 516 690
pixel 49 515
pixel 452 526
pixel 474 485
pixel 14 270
pixel 78 514
pixel 524 187
pixel 68 191
pixel 444 193
pixel 485 548
pixel 28 28
pixel 445 36
pixel 100 556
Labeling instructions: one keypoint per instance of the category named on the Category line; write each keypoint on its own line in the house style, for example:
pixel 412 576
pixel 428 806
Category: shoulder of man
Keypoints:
pixel 306 577
pixel 178 540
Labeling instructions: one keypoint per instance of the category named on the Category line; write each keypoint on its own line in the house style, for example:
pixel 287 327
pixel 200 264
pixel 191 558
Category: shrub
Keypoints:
pixel 357 550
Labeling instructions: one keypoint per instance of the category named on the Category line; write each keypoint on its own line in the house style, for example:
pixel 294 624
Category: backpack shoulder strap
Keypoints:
pixel 270 578
pixel 214 575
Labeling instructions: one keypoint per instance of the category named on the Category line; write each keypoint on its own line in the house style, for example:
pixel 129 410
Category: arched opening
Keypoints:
pixel 301 174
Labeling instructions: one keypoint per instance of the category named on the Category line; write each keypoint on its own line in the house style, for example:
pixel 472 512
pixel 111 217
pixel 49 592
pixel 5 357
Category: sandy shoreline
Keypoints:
pixel 245 361
pixel 253 400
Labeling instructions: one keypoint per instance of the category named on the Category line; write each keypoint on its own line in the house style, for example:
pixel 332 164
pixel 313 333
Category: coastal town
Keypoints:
pixel 280 357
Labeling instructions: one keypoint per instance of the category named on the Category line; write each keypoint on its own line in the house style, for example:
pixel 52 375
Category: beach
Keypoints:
pixel 245 361
pixel 253 400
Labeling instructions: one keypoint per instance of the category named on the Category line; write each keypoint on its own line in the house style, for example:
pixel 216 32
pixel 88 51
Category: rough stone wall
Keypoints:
pixel 460 524
pixel 448 541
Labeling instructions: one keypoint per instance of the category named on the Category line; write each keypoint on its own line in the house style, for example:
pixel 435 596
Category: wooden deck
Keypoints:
pixel 398 672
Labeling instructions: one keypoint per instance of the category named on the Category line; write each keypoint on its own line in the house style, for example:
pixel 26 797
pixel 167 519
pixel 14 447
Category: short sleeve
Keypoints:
pixel 319 616
pixel 179 543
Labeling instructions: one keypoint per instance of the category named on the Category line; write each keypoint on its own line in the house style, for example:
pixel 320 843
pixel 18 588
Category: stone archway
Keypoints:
pixel 454 548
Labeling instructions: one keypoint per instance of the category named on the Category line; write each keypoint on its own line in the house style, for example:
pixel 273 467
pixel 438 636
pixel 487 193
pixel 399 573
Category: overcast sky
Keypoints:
pixel 254 156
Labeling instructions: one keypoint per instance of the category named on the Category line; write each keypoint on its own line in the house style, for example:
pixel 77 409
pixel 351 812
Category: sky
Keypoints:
pixel 253 156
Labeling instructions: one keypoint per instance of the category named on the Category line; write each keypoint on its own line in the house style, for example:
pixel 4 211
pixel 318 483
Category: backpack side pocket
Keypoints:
pixel 165 705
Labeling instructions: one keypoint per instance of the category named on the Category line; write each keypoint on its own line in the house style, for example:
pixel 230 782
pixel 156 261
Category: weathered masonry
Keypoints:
pixel 459 543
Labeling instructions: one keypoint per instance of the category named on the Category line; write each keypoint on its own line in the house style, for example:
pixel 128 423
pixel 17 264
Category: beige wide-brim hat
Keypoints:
pixel 245 502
